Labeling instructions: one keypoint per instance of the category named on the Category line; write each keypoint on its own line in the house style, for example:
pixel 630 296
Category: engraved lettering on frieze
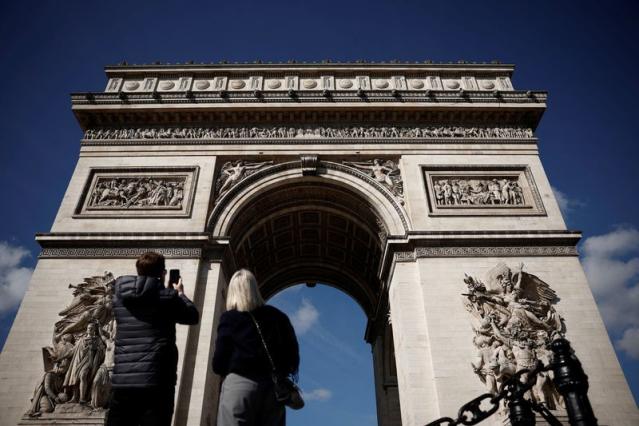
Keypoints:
pixel 385 172
pixel 291 82
pixel 78 364
pixel 280 132
pixel 184 83
pixel 220 83
pixel 233 172
pixel 383 232
pixel 362 82
pixel 255 82
pixel 514 319
pixel 149 83
pixel 114 84
pixel 467 191
pixel 138 192
pixel 327 82
pixel 399 82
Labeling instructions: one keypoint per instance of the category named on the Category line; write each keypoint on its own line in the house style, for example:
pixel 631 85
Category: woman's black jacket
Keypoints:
pixel 238 348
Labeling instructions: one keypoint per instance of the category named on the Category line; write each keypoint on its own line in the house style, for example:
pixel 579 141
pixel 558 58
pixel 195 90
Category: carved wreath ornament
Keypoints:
pixel 78 364
pixel 514 320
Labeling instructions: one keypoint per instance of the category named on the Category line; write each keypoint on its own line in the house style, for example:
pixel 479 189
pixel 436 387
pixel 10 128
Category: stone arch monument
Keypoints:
pixel 417 189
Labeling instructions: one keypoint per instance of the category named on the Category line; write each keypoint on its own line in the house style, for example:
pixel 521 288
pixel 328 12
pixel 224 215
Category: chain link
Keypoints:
pixel 472 413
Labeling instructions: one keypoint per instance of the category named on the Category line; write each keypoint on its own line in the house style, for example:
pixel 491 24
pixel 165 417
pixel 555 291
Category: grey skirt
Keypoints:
pixel 245 402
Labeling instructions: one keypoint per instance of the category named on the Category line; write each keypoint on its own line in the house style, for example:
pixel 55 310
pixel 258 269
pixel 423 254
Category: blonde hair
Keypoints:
pixel 243 293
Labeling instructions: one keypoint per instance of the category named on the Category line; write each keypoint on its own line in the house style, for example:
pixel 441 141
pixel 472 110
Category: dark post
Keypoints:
pixel 519 410
pixel 572 384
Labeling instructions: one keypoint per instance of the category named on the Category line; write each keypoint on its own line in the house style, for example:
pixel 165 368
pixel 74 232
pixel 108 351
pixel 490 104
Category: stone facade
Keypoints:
pixel 389 181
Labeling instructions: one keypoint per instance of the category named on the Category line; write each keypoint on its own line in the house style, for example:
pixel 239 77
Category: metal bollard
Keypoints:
pixel 572 383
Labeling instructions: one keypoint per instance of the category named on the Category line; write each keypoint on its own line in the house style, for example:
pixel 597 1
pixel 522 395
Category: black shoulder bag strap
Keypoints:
pixel 259 331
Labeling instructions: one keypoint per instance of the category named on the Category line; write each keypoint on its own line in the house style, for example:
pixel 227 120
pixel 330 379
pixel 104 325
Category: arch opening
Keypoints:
pixel 335 371
pixel 311 232
pixel 329 229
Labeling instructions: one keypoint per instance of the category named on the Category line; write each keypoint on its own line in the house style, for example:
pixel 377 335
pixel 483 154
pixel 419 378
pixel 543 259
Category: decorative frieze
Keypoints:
pixel 282 132
pixel 78 365
pixel 504 251
pixel 514 320
pixel 118 252
pixel 140 192
pixel 485 251
pixel 482 190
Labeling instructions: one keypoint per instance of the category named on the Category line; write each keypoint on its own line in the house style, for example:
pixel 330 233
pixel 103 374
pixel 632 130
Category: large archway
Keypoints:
pixel 331 228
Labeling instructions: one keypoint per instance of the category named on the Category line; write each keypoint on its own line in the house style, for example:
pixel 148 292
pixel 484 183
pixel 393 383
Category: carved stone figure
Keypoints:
pixel 468 191
pixel 88 356
pixel 514 321
pixel 77 366
pixel 320 131
pixel 49 391
pixel 233 172
pixel 385 172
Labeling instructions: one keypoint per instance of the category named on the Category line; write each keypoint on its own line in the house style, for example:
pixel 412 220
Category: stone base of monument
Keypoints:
pixel 67 414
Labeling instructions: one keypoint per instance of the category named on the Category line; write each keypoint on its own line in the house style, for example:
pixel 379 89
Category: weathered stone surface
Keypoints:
pixel 316 173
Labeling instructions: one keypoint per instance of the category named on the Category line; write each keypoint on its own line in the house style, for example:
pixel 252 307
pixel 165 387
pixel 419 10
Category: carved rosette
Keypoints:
pixel 77 366
pixel 514 321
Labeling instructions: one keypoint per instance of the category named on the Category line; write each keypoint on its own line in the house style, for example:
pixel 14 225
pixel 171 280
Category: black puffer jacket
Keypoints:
pixel 146 313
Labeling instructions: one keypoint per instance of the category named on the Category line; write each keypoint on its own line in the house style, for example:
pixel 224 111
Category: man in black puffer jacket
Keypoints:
pixel 144 374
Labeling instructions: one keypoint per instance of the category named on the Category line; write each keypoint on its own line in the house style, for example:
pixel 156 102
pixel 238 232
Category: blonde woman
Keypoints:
pixel 247 396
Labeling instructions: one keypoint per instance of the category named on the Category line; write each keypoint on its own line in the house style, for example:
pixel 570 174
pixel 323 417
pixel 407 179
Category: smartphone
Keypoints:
pixel 174 276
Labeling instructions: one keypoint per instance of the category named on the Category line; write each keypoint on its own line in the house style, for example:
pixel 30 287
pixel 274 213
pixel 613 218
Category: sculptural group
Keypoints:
pixel 77 366
pixel 282 132
pixel 476 191
pixel 138 192
pixel 514 321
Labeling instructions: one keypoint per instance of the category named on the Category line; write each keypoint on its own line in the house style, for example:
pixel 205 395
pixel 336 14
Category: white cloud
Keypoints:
pixel 566 204
pixel 630 342
pixel 612 267
pixel 319 394
pixel 618 242
pixel 305 317
pixel 13 278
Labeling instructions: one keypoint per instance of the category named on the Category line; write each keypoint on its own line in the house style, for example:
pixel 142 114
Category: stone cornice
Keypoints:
pixel 515 109
pixel 396 98
pixel 115 70
pixel 71 245
pixel 506 243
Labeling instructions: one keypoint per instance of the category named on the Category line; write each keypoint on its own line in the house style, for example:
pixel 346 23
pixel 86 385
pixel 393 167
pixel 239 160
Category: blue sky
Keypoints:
pixel 584 53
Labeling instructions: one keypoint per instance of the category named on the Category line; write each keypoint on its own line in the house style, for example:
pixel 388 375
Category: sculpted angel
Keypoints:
pixel 384 172
pixel 233 172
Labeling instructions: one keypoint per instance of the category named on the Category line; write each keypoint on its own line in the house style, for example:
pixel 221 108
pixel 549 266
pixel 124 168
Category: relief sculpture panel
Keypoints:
pixel 138 192
pixel 281 132
pixel 482 191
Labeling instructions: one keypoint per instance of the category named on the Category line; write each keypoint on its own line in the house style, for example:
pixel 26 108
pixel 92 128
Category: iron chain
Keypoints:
pixel 472 413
